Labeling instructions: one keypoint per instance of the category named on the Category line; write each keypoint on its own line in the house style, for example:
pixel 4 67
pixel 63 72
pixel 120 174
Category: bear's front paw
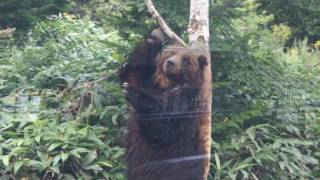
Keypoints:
pixel 139 99
pixel 125 87
pixel 131 93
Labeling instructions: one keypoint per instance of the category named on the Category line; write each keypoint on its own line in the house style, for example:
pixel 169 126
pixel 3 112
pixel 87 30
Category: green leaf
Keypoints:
pixel 64 156
pixel 97 100
pixel 252 134
pixel 233 175
pixel 38 139
pixel 77 151
pixel 114 118
pixel 54 146
pixel 243 166
pixel 42 156
pixel 36 165
pixel 118 153
pixel 56 160
pixel 5 160
pixel 216 158
pixel 282 164
pixel 92 136
pixel 226 164
pixel 55 168
pixel 20 150
pixel 105 163
pixel 89 158
pixel 95 167
pixel 17 166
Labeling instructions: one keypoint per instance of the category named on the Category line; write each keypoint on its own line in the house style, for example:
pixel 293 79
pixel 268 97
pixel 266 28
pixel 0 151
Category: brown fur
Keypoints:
pixel 160 79
pixel 164 144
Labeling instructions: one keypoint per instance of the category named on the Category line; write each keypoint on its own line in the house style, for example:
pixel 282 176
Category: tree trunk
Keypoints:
pixel 198 28
pixel 198 31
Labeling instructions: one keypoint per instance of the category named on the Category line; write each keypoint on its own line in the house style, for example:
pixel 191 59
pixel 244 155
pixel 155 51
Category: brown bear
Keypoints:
pixel 162 88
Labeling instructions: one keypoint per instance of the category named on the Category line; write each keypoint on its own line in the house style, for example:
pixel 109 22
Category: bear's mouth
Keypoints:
pixel 178 81
pixel 173 77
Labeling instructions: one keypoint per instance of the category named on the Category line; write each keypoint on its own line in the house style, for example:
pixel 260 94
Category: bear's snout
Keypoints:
pixel 170 67
pixel 170 64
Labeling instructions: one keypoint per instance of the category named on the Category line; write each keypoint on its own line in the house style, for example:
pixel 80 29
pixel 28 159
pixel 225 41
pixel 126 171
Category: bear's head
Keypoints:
pixel 177 65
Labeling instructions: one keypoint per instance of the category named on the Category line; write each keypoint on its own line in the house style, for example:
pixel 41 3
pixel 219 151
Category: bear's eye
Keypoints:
pixel 185 61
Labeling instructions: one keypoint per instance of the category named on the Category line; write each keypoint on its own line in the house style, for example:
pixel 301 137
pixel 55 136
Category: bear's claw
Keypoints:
pixel 125 85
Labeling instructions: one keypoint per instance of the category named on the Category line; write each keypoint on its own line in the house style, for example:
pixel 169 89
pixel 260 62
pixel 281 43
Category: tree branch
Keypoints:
pixel 163 25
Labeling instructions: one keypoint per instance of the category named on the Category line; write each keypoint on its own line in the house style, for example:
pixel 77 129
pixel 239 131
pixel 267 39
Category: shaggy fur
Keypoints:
pixel 162 142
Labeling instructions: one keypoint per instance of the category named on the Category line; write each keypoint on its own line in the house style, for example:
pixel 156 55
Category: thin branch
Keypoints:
pixel 89 84
pixel 163 25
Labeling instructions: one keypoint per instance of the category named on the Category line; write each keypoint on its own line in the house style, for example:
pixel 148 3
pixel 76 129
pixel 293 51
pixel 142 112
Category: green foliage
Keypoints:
pixel 256 83
pixel 63 117
pixel 262 152
pixel 23 14
pixel 300 15
pixel 62 114
pixel 47 148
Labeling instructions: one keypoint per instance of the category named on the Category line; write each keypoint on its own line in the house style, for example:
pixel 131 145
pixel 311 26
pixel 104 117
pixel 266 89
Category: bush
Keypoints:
pixel 64 112
pixel 265 103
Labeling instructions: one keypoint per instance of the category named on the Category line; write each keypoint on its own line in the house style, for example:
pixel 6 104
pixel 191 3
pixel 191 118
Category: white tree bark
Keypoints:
pixel 198 28
pixel 198 31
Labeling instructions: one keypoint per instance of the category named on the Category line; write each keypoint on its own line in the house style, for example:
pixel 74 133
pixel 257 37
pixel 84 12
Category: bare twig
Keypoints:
pixel 82 85
pixel 89 84
pixel 163 25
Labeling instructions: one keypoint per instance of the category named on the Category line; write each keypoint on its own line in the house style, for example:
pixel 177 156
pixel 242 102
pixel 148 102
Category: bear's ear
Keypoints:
pixel 203 61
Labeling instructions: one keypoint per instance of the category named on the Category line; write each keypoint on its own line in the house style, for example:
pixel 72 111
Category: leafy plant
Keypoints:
pixel 62 119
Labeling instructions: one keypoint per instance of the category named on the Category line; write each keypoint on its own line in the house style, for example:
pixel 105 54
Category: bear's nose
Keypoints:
pixel 170 63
